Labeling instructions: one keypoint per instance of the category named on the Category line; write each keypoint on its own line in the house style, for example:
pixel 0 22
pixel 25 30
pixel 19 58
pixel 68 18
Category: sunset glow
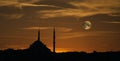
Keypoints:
pixel 58 50
pixel 21 19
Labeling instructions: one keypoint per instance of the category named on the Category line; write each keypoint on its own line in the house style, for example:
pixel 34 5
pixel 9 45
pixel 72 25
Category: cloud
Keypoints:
pixel 71 35
pixel 70 12
pixel 84 34
pixel 17 9
pixel 7 2
pixel 63 29
pixel 21 3
pixel 58 29
pixel 112 22
pixel 17 2
pixel 115 14
pixel 61 8
pixel 83 9
pixel 60 3
pixel 96 3
pixel 28 1
pixel 13 16
pixel 42 28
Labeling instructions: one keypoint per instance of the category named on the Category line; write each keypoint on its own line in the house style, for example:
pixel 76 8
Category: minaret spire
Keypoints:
pixel 39 35
pixel 54 38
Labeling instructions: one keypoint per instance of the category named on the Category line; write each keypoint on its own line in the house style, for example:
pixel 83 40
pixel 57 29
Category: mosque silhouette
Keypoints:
pixel 38 51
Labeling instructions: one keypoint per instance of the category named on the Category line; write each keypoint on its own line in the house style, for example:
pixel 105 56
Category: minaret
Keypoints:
pixel 38 35
pixel 54 38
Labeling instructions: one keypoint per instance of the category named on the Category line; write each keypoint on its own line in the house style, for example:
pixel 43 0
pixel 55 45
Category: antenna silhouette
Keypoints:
pixel 54 39
pixel 39 35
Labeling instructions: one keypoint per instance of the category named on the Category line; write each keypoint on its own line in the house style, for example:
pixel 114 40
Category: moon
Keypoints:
pixel 87 25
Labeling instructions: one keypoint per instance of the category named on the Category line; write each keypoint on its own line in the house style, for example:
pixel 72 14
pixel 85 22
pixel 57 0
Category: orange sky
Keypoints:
pixel 19 21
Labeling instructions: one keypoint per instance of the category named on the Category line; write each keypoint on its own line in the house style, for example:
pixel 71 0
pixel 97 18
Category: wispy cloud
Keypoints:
pixel 7 2
pixel 59 29
pixel 81 8
pixel 71 35
pixel 64 29
pixel 13 9
pixel 13 16
pixel 17 2
pixel 70 12
pixel 20 4
pixel 29 1
pixel 84 34
pixel 42 28
pixel 96 3
pixel 84 8
pixel 112 22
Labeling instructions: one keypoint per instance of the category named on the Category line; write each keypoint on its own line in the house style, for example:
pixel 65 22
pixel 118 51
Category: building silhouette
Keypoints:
pixel 38 46
pixel 38 51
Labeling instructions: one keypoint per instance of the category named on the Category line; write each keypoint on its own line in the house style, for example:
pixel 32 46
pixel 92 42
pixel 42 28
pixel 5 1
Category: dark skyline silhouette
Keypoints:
pixel 87 25
pixel 67 30
pixel 38 51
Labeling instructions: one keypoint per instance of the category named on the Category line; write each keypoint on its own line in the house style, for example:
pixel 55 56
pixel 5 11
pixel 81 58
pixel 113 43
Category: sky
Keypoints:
pixel 20 20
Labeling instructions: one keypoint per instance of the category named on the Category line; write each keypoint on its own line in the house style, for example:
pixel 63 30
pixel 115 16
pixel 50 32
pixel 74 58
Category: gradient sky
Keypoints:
pixel 20 19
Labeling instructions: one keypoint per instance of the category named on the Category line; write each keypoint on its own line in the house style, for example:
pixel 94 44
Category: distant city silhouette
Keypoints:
pixel 39 52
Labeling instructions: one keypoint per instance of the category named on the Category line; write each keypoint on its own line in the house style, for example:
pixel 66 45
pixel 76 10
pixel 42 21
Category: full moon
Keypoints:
pixel 87 25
